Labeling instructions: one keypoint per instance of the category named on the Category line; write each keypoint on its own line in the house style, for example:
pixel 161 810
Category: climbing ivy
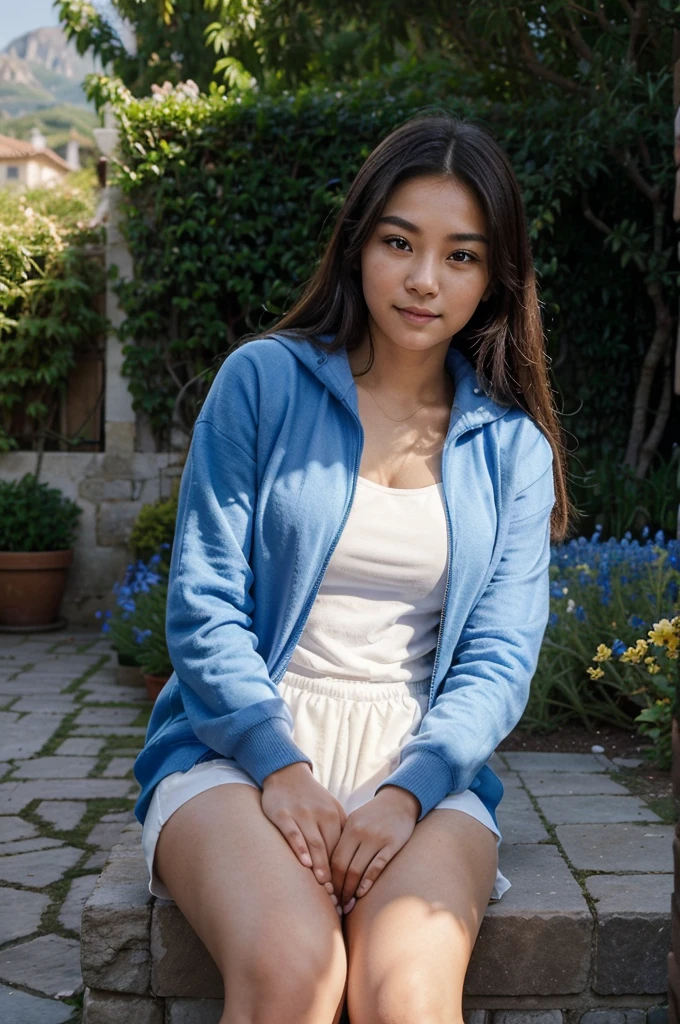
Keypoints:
pixel 227 203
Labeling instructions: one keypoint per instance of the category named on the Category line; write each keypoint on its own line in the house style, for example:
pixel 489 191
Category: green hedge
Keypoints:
pixel 50 274
pixel 228 202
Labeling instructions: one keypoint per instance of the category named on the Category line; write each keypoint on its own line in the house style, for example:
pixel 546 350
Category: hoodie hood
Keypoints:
pixel 472 402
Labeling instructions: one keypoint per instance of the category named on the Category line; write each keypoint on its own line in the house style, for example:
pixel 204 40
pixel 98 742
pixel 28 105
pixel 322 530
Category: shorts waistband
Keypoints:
pixel 356 689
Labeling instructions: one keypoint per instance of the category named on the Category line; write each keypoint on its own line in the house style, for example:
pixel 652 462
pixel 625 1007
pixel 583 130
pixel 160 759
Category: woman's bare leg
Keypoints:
pixel 269 926
pixel 412 935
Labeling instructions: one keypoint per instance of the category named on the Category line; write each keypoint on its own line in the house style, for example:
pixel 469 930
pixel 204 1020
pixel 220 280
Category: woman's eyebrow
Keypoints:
pixel 467 236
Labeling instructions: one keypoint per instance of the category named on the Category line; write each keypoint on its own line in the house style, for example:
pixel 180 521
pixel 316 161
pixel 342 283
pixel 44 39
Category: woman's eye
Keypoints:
pixel 461 252
pixel 401 245
pixel 389 241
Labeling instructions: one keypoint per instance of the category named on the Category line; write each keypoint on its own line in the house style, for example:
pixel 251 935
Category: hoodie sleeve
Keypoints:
pixel 487 686
pixel 231 702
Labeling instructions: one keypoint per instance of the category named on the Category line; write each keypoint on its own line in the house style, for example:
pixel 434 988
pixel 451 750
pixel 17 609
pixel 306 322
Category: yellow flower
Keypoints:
pixel 652 666
pixel 635 654
pixel 583 567
pixel 594 673
pixel 603 653
pixel 662 633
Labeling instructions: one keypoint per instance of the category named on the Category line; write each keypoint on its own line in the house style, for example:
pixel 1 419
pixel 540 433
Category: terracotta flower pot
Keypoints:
pixel 128 672
pixel 154 684
pixel 32 585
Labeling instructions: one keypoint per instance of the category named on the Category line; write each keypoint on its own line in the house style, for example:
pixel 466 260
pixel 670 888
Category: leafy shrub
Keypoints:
pixel 228 201
pixel 35 517
pixel 609 493
pixel 599 592
pixel 50 275
pixel 154 528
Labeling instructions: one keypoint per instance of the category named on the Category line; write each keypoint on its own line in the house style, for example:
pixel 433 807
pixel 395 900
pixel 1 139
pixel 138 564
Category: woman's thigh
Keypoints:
pixel 410 938
pixel 269 926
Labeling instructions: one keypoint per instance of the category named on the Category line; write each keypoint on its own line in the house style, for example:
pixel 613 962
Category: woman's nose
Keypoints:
pixel 422 278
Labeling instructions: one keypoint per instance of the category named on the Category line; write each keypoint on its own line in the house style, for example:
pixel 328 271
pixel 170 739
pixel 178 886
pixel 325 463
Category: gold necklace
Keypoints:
pixel 364 388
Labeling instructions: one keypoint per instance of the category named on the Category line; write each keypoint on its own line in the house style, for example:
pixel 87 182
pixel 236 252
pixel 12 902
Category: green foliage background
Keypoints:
pixel 50 274
pixel 227 203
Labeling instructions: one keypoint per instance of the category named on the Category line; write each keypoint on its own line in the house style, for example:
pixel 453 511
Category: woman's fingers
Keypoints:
pixel 373 871
pixel 297 842
pixel 355 871
pixel 331 831
pixel 319 853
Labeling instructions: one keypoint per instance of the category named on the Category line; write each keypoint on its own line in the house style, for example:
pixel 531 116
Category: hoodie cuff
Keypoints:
pixel 267 747
pixel 424 774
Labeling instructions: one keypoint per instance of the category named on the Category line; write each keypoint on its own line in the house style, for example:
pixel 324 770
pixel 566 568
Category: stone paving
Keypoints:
pixel 69 734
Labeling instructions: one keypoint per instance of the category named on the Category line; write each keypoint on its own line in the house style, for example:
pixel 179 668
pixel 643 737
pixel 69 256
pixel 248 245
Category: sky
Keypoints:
pixel 20 16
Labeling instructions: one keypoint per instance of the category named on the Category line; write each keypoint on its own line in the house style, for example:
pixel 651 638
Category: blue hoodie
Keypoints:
pixel 266 491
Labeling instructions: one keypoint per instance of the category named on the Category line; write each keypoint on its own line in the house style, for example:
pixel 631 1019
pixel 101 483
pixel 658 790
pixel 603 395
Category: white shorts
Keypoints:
pixel 351 731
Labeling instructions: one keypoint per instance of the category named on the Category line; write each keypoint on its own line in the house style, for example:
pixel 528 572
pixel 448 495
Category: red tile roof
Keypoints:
pixel 17 149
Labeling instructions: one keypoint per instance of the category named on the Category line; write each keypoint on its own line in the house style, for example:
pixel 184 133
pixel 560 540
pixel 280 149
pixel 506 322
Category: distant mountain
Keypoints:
pixel 41 69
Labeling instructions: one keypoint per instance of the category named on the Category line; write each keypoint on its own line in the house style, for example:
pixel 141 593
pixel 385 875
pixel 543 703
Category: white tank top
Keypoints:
pixel 376 614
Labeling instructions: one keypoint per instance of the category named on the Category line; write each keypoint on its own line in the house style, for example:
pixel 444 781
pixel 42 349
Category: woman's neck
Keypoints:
pixel 407 376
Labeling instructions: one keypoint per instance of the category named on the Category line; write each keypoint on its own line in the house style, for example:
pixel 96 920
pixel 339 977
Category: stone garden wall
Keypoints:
pixel 111 489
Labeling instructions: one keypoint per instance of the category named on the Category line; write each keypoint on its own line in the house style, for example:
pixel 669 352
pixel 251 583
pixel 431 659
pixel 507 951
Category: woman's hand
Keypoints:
pixel 307 815
pixel 372 836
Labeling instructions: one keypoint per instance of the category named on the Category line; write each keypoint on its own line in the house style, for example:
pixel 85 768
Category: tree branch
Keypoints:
pixel 624 158
pixel 599 14
pixel 577 41
pixel 628 8
pixel 534 65
pixel 589 215
pixel 651 443
pixel 652 358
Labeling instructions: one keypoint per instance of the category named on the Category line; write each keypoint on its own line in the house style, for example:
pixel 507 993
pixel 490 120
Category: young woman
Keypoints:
pixel 358 594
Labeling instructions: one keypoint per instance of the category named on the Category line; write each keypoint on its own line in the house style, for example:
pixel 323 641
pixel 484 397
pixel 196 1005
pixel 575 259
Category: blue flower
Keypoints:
pixel 645 532
pixel 98 614
pixel 580 613
pixel 636 622
pixel 140 634
pixel 618 647
pixel 554 619
pixel 106 628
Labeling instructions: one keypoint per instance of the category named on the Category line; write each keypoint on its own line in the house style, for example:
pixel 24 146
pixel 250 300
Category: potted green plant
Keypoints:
pixel 120 623
pixel 149 632
pixel 38 526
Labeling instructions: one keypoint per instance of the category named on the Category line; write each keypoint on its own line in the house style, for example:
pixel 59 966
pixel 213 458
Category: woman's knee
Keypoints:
pixel 403 995
pixel 296 981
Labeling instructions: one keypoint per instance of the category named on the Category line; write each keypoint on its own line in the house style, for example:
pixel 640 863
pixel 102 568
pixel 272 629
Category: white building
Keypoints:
pixel 30 164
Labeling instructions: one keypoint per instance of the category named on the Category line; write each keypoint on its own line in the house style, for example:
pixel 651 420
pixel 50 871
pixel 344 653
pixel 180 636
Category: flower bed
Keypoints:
pixel 610 602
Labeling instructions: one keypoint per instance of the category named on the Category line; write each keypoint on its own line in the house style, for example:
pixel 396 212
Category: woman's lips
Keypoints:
pixel 417 318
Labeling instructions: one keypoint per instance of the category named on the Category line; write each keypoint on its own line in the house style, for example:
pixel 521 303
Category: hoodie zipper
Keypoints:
pixel 286 656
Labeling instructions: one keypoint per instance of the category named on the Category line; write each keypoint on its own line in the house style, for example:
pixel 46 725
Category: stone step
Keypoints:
pixel 543 954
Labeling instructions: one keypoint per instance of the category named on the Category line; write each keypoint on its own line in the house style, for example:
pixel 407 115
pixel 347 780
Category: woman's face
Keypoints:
pixel 428 254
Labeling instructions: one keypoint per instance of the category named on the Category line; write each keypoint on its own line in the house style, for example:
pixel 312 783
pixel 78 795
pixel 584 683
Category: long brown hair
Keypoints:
pixel 504 337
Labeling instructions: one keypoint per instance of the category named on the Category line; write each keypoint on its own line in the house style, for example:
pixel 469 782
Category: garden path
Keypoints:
pixel 68 738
